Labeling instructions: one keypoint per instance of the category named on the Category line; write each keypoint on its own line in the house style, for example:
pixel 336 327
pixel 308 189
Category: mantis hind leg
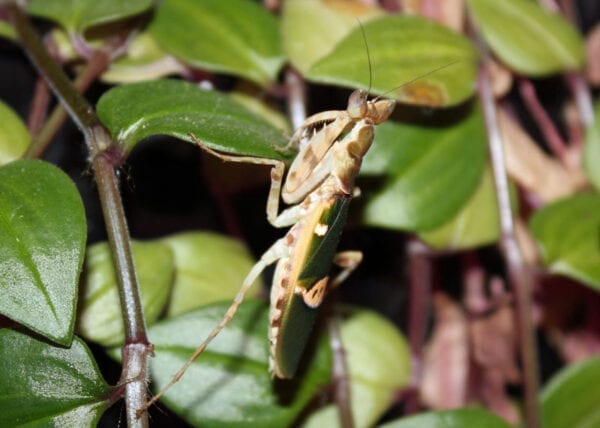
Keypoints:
pixel 277 251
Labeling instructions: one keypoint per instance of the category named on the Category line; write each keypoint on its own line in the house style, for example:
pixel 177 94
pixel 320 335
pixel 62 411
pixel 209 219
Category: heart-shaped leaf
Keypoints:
pixel 570 399
pixel 591 158
pixel 79 15
pixel 527 37
pixel 476 224
pixel 42 240
pixel 176 108
pixel 329 21
pixel 378 365
pixel 430 172
pixel 567 232
pixel 434 65
pixel 100 317
pixel 14 137
pixel 229 384
pixel 45 385
pixel 459 418
pixel 208 268
pixel 234 36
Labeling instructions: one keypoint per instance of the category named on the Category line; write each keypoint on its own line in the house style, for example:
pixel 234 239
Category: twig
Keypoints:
pixel 418 312
pixel 544 123
pixel 340 374
pixel 519 277
pixel 39 106
pixel 296 97
pixel 98 140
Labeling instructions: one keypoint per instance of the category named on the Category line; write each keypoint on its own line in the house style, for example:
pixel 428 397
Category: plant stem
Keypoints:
pixel 93 68
pixel 519 276
pixel 100 146
pixel 418 312
pixel 544 123
pixel 340 374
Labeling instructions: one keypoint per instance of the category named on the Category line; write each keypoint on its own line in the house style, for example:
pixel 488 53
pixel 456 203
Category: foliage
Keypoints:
pixel 222 72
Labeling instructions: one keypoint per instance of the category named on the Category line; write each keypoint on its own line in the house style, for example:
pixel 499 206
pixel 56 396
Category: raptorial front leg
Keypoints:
pixel 277 173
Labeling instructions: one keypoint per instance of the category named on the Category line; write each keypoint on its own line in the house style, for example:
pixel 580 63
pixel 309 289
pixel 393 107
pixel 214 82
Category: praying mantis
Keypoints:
pixel 318 188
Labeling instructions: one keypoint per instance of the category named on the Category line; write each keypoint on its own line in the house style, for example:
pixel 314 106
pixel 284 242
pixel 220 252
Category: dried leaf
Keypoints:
pixel 531 168
pixel 446 359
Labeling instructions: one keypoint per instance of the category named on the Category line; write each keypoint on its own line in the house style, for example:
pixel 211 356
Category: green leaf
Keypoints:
pixel 45 386
pixel 329 21
pixel 459 418
pixel 79 15
pixel 378 364
pixel 235 36
pixel 435 65
pixel 476 224
pixel 430 172
pixel 568 233
pixel 591 159
pixel 229 385
pixel 172 107
pixel 42 240
pixel 143 60
pixel 528 38
pixel 570 399
pixel 209 267
pixel 14 137
pixel 100 318
pixel 7 31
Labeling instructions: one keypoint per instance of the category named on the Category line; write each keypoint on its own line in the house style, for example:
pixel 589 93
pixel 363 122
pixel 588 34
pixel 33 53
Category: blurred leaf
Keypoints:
pixel 100 317
pixel 527 37
pixel 330 21
pixel 570 399
pixel 378 365
pixel 7 30
pixel 229 385
pixel 434 65
pixel 208 268
pixel 459 418
pixel 591 159
pixel 144 60
pixel 568 233
pixel 79 15
pixel 14 137
pixel 237 36
pixel 49 386
pixel 430 172
pixel 172 107
pixel 42 240
pixel 263 110
pixel 476 224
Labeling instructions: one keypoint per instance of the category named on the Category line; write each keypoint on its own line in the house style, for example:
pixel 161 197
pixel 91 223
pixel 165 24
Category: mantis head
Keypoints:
pixel 359 107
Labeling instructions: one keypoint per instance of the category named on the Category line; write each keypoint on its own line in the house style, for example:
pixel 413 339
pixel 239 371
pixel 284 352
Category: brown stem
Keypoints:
pixel 39 105
pixel 296 97
pixel 544 123
pixel 418 312
pixel 340 374
pixel 98 140
pixel 519 276
pixel 93 68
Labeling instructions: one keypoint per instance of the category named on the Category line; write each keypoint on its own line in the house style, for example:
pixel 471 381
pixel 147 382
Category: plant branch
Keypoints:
pixel 418 312
pixel 544 123
pixel 93 68
pixel 102 153
pixel 519 277
pixel 340 374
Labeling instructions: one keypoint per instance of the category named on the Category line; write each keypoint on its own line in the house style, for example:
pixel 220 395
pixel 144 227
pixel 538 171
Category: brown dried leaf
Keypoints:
pixel 531 168
pixel 446 358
